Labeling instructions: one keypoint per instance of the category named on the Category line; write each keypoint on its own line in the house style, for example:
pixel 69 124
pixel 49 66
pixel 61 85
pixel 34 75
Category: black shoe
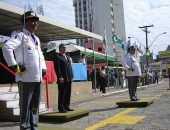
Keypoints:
pixel 62 111
pixel 69 109
pixel 133 99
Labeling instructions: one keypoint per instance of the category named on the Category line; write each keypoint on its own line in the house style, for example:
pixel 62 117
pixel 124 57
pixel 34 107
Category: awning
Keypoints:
pixel 48 29
pixel 75 51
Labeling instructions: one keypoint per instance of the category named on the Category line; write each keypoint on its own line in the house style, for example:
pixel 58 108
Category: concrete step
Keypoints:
pixel 46 111
pixel 9 103
pixel 8 88
pixel 9 95
pixel 16 109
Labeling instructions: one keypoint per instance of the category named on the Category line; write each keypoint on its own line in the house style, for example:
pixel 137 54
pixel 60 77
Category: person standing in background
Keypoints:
pixel 62 66
pixel 68 55
pixel 133 72
pixel 102 79
pixel 23 55
pixel 82 59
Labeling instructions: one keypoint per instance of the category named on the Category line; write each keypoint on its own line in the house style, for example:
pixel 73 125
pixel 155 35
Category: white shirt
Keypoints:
pixel 82 60
pixel 27 53
pixel 130 61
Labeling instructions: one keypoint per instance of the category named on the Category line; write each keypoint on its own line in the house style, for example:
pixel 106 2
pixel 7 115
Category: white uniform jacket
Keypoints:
pixel 27 52
pixel 130 61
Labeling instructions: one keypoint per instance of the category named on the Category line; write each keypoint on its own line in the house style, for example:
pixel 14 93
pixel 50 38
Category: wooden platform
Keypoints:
pixel 47 127
pixel 138 103
pixel 55 116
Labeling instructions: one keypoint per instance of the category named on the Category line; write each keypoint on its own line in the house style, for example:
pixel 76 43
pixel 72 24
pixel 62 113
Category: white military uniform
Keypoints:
pixel 27 52
pixel 130 61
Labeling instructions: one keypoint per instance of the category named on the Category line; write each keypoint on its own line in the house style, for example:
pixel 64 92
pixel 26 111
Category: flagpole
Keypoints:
pixel 105 42
pixel 117 80
pixel 107 69
pixel 94 66
pixel 117 40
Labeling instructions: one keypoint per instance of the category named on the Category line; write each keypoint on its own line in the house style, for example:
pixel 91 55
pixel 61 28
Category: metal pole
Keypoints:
pixel 94 65
pixel 47 93
pixel 117 79
pixel 105 42
pixel 147 49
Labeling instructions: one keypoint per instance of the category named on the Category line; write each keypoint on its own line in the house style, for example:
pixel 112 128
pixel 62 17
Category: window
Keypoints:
pixel 99 49
pixel 84 2
pixel 79 3
pixel 84 8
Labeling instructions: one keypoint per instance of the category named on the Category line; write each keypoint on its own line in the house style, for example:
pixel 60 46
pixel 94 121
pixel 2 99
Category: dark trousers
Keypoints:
pixel 64 95
pixel 132 85
pixel 29 100
pixel 93 84
pixel 103 84
pixel 156 80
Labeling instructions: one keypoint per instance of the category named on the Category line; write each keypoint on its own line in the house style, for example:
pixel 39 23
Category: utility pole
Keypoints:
pixel 147 48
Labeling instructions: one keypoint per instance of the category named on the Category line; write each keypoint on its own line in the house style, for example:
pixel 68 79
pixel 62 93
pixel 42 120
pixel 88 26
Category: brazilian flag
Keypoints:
pixel 116 39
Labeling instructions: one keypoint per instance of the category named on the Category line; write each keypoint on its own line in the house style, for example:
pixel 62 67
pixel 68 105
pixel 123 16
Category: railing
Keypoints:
pixel 45 78
pixel 47 97
pixel 10 71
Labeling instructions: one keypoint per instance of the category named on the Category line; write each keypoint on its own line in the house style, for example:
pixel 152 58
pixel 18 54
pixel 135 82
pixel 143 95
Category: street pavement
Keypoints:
pixel 105 115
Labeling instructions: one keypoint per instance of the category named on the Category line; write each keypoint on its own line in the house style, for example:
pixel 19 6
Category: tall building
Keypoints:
pixel 103 17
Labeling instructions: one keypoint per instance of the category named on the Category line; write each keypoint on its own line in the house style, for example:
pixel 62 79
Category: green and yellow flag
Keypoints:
pixel 116 39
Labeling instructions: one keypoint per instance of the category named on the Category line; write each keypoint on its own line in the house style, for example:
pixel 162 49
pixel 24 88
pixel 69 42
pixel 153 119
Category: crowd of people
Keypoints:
pixel 130 75
pixel 107 78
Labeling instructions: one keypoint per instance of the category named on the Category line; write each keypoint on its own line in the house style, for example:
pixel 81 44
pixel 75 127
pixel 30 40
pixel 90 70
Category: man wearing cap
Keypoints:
pixel 23 55
pixel 62 65
pixel 133 72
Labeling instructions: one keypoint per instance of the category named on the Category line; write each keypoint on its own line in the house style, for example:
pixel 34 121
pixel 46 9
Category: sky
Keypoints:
pixel 137 13
pixel 148 12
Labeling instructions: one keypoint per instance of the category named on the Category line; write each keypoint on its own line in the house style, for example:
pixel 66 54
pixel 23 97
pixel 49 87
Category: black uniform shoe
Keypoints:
pixel 62 111
pixel 69 109
pixel 133 99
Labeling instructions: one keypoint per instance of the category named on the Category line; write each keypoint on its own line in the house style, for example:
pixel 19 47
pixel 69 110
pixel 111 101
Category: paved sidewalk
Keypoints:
pixel 157 114
pixel 109 91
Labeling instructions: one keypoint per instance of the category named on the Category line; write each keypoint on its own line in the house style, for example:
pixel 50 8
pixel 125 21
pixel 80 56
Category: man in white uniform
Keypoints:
pixel 23 55
pixel 133 72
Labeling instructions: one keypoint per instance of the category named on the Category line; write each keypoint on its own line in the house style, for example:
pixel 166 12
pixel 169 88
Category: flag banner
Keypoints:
pixel 105 41
pixel 116 39
pixel 123 46
pixel 128 43
pixel 104 44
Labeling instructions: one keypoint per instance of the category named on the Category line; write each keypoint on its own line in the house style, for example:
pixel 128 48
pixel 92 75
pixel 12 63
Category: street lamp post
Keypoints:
pixel 156 38
pixel 147 47
pixel 137 41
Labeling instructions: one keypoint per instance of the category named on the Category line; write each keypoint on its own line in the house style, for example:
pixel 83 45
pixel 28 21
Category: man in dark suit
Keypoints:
pixel 62 65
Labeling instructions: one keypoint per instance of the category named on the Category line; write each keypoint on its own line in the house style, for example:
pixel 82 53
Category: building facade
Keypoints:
pixel 103 17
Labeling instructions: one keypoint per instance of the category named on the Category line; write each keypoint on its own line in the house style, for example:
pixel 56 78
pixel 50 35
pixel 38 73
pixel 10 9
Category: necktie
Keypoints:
pixel 33 38
pixel 65 57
